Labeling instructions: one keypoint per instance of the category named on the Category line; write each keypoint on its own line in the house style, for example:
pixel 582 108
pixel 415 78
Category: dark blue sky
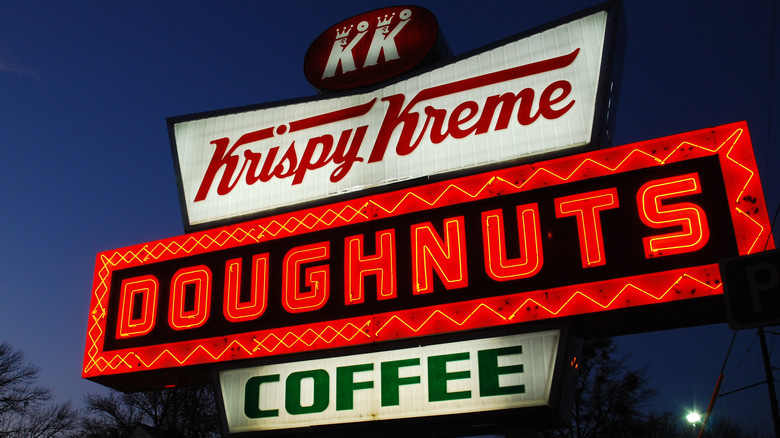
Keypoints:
pixel 85 88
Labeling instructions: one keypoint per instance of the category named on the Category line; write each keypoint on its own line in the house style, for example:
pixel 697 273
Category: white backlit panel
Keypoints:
pixel 528 97
pixel 470 376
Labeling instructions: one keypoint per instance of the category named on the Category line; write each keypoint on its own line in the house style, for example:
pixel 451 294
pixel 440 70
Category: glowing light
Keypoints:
pixel 234 309
pixel 447 258
pixel 179 316
pixel 587 208
pixel 655 212
pixel 294 299
pixel 531 259
pixel 382 265
pixel 137 290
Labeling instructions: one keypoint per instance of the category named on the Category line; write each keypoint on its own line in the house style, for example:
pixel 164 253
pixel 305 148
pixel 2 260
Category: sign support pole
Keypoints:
pixel 711 405
pixel 770 381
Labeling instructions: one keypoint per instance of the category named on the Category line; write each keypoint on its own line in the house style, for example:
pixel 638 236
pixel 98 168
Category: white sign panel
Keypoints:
pixel 470 376
pixel 528 97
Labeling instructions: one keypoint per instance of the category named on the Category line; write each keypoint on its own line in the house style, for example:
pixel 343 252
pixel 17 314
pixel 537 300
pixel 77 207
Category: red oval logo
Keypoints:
pixel 371 47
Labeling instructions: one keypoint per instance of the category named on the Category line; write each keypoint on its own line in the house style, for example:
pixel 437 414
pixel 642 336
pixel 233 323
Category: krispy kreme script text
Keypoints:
pixel 238 162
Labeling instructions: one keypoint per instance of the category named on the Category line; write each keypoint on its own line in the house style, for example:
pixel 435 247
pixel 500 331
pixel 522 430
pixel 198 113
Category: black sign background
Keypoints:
pixel 622 229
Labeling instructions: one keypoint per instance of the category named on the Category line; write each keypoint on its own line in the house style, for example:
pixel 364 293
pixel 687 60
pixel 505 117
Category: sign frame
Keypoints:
pixel 188 361
pixel 752 289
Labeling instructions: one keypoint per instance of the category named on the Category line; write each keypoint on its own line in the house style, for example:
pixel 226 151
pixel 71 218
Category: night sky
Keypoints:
pixel 86 87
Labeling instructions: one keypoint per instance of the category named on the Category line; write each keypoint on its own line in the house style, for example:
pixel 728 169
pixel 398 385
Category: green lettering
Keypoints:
pixel 292 400
pixel 346 385
pixel 252 397
pixel 438 377
pixel 391 382
pixel 489 372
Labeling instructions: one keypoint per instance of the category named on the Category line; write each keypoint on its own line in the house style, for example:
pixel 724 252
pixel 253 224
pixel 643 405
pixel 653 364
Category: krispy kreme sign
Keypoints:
pixel 536 94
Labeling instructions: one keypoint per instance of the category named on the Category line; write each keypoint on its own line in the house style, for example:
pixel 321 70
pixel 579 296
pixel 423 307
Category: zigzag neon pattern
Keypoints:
pixel 273 341
pixel 527 184
pixel 564 309
pixel 483 311
pixel 751 224
pixel 317 337
pixel 223 238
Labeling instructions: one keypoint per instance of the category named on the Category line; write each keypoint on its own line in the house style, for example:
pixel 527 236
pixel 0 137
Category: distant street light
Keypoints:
pixel 693 418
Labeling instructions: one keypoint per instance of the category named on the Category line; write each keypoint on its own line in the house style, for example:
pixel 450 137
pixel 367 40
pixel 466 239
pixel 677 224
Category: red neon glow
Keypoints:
pixel 587 208
pixel 136 290
pixel 358 266
pixel 235 310
pixel 655 212
pixel 179 317
pixel 317 281
pixel 494 311
pixel 619 293
pixel 746 203
pixel 497 265
pixel 447 257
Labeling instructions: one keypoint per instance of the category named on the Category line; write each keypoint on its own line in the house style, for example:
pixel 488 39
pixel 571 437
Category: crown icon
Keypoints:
pixel 344 32
pixel 386 21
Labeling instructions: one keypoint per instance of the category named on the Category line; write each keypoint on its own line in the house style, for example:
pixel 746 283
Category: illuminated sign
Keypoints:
pixel 538 94
pixel 617 228
pixel 498 373
pixel 372 47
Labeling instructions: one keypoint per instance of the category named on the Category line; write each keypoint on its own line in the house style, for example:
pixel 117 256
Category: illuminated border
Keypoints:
pixel 746 202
